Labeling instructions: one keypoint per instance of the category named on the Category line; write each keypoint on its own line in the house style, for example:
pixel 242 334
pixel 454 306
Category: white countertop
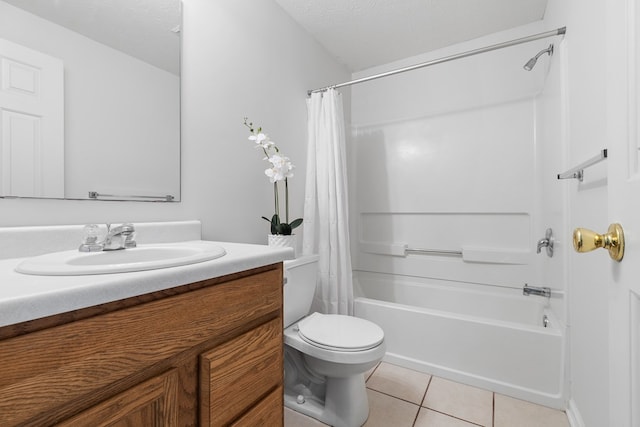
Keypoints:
pixel 26 297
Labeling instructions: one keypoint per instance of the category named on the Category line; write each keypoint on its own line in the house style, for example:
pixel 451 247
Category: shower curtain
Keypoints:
pixel 326 219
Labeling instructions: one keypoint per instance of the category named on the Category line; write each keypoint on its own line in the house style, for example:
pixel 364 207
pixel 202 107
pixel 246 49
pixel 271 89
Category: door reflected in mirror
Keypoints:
pixel 90 99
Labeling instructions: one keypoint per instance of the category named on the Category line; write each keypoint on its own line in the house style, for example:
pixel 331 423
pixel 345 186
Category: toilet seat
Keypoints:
pixel 339 332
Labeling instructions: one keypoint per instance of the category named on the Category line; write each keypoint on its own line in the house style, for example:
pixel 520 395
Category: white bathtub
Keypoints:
pixel 480 335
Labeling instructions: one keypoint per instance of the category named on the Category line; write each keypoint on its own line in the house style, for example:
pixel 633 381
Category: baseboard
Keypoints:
pixel 573 414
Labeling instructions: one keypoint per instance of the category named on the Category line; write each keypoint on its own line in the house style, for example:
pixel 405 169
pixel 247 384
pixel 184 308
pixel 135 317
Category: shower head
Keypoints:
pixel 532 62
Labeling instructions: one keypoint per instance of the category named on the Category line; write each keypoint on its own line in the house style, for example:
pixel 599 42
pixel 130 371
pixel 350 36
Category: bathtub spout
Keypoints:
pixel 534 290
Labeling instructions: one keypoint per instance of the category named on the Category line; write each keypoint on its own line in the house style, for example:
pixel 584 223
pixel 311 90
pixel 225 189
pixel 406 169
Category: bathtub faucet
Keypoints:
pixel 546 242
pixel 535 290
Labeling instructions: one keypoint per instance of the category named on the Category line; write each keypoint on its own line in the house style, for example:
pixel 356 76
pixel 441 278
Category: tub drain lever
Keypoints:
pixel 535 290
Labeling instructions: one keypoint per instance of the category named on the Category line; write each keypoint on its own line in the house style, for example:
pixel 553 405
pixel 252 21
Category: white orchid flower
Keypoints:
pixel 262 141
pixel 281 168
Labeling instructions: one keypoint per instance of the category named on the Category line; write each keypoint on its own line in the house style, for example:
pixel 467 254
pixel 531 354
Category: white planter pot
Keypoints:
pixel 284 241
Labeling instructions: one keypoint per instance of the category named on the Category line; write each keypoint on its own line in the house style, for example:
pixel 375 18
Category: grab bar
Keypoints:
pixel 96 195
pixel 467 253
pixel 535 290
pixel 433 251
pixel 578 171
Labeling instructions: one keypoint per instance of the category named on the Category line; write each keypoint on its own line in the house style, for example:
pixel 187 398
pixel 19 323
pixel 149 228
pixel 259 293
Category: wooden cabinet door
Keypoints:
pixel 238 374
pixel 269 412
pixel 151 403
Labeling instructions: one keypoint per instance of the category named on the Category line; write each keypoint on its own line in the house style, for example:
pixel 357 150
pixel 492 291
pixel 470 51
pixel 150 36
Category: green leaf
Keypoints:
pixel 295 223
pixel 284 229
pixel 275 224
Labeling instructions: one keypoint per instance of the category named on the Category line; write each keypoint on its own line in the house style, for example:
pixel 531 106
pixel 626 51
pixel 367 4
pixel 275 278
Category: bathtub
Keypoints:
pixel 484 336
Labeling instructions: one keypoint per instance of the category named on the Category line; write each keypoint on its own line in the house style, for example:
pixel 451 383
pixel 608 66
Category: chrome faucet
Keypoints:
pixel 546 242
pixel 119 237
pixel 542 243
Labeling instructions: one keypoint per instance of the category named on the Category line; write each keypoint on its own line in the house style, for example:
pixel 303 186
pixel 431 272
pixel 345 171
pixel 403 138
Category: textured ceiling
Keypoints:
pixel 140 28
pixel 366 33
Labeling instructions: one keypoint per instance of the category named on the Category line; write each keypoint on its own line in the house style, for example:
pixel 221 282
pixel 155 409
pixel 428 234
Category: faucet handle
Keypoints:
pixel 546 242
pixel 542 243
pixel 90 242
pixel 91 232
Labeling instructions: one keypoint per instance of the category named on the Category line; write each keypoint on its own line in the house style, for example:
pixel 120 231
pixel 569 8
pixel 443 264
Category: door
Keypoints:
pixel 31 123
pixel 623 140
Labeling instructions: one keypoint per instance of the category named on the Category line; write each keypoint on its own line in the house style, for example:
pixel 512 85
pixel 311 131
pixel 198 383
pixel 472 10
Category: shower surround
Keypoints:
pixel 452 158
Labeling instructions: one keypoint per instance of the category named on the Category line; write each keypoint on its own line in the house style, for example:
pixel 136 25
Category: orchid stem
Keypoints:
pixel 286 199
pixel 275 193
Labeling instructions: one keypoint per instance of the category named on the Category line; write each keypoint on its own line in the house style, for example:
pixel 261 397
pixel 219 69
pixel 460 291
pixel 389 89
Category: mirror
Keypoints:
pixel 90 99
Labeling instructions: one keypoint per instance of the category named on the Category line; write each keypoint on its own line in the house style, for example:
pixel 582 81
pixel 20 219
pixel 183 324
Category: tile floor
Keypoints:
pixel 400 397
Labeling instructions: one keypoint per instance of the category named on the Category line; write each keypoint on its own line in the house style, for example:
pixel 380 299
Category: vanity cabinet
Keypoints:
pixel 207 353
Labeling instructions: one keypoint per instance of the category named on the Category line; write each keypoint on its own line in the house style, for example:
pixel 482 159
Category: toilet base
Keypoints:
pixel 337 401
pixel 345 405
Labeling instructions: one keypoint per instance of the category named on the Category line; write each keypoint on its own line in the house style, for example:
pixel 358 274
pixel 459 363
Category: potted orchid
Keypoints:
pixel 279 171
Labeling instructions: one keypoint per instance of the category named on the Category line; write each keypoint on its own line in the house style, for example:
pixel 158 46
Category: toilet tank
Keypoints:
pixel 299 287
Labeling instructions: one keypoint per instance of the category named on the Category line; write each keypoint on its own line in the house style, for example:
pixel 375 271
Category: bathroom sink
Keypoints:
pixel 143 257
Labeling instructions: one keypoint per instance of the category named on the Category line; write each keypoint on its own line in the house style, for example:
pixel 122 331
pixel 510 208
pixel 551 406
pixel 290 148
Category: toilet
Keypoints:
pixel 325 355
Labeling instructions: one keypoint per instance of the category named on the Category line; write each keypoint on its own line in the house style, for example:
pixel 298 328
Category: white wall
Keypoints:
pixel 117 110
pixel 245 59
pixel 445 158
pixel 240 58
pixel 587 273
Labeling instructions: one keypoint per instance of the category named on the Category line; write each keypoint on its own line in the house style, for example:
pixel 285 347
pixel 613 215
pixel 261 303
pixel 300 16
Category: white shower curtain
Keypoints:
pixel 326 219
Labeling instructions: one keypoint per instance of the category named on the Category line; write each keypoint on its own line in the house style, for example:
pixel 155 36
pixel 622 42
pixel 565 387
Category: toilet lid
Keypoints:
pixel 335 331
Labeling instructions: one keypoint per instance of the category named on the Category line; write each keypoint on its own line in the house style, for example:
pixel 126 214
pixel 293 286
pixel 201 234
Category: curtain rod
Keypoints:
pixel 556 32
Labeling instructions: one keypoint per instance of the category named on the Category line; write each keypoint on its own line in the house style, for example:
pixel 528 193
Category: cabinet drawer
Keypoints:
pixel 237 374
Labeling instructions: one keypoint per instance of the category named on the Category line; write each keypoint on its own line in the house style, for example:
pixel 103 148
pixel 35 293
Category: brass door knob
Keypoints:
pixel 586 240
